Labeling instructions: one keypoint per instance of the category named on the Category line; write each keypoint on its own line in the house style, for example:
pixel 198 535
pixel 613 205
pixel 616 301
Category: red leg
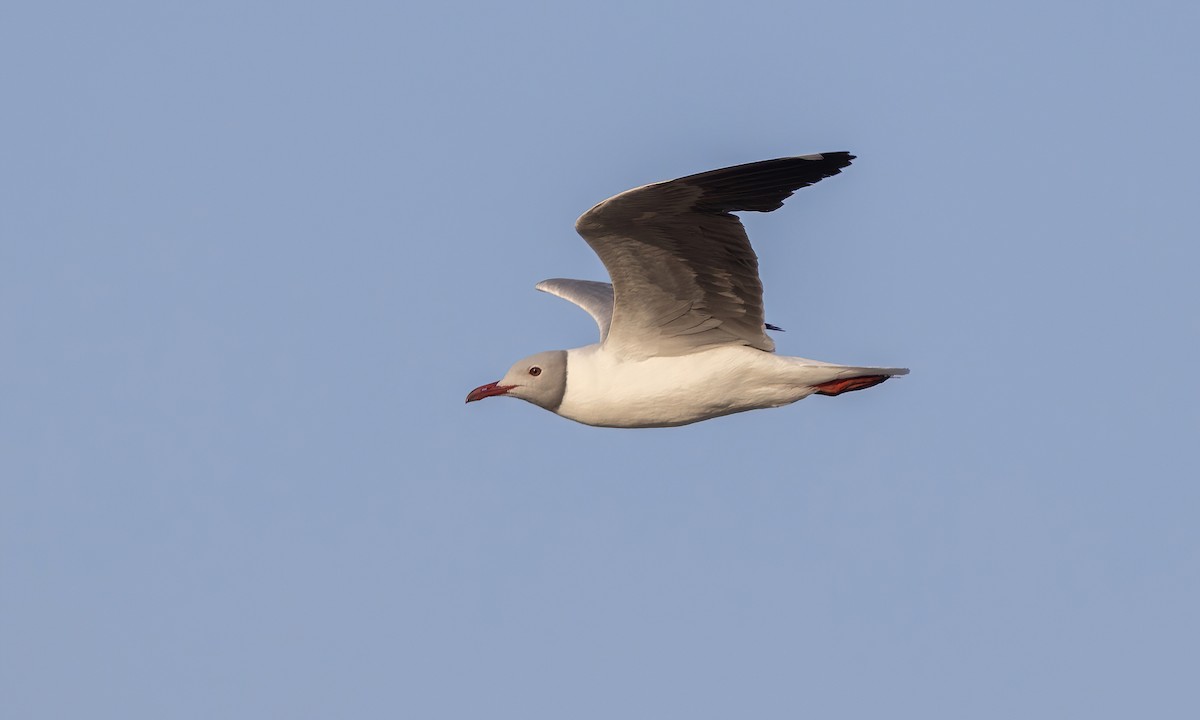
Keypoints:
pixel 837 387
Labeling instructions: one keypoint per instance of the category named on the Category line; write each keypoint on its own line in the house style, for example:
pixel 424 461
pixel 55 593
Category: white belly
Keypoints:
pixel 665 391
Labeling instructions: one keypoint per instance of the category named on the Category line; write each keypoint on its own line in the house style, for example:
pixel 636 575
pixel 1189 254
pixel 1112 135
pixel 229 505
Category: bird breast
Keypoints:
pixel 608 390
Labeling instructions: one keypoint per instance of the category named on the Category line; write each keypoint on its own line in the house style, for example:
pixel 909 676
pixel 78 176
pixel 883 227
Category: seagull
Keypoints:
pixel 682 336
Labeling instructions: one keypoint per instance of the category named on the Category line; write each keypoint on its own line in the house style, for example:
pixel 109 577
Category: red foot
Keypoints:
pixel 837 387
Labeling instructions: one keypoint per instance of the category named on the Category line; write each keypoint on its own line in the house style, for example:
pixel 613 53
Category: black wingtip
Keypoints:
pixel 763 186
pixel 837 156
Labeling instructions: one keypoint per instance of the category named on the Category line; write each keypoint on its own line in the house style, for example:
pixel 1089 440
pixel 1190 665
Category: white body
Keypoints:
pixel 612 391
pixel 682 330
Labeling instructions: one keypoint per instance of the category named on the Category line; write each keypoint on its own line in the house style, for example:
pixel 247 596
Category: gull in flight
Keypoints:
pixel 682 337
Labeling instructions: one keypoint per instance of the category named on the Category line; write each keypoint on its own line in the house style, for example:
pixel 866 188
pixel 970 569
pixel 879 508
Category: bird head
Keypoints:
pixel 540 379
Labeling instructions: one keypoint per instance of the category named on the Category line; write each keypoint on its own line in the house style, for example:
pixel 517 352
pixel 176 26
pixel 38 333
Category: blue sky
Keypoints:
pixel 253 257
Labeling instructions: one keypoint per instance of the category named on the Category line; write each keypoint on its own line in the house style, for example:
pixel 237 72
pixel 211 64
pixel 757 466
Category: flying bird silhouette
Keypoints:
pixel 682 337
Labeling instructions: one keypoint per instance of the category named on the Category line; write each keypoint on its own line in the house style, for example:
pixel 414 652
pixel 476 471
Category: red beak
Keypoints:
pixel 488 390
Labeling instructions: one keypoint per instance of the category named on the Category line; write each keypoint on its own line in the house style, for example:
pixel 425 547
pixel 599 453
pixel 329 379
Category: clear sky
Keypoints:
pixel 254 255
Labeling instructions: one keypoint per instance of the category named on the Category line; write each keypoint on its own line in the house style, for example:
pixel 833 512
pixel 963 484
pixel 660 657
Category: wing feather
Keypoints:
pixel 683 272
pixel 594 297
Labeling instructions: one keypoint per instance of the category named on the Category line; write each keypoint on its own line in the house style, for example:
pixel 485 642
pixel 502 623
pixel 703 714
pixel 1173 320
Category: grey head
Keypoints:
pixel 540 379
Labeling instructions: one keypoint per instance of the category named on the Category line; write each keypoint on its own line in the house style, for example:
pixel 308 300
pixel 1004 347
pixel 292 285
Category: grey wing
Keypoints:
pixel 594 297
pixel 684 275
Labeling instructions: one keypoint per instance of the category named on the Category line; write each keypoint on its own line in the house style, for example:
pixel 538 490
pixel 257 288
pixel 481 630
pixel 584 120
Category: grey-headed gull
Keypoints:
pixel 682 337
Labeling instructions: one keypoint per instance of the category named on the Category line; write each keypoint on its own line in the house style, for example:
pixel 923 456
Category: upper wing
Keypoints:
pixel 684 275
pixel 594 297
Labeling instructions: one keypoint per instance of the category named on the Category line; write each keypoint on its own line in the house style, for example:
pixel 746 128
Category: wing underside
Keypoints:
pixel 594 297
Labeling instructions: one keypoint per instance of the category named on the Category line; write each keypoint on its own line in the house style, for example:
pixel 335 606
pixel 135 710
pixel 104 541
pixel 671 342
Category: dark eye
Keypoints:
pixel 535 371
